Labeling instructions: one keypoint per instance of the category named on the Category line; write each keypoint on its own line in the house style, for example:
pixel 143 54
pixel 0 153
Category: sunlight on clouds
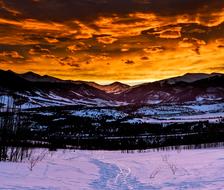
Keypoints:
pixel 130 44
pixel 11 54
pixel 106 40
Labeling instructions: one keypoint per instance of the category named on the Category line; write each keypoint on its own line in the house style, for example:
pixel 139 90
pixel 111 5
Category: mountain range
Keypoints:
pixel 30 90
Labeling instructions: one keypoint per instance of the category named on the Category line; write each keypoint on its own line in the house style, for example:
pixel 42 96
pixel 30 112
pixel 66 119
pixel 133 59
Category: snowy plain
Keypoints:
pixel 199 169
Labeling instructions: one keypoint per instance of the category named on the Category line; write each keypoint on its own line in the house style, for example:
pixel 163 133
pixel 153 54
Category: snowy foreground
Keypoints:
pixel 99 170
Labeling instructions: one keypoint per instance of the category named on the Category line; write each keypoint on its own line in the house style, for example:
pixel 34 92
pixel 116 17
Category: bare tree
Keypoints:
pixel 172 167
pixel 33 160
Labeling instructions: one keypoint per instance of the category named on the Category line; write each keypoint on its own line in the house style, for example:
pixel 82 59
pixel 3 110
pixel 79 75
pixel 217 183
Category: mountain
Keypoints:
pixel 30 76
pixel 209 88
pixel 32 90
pixel 114 88
pixel 10 80
pixel 39 92
pixel 190 77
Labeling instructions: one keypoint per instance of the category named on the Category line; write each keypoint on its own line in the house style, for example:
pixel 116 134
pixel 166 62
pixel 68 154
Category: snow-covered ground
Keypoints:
pixel 40 99
pixel 99 113
pixel 98 109
pixel 175 110
pixel 213 113
pixel 210 117
pixel 197 169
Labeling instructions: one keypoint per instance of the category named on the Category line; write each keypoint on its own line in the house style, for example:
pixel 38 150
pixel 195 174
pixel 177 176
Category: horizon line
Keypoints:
pixel 107 82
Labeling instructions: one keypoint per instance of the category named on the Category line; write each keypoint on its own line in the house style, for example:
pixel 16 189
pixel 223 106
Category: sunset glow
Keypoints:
pixel 108 40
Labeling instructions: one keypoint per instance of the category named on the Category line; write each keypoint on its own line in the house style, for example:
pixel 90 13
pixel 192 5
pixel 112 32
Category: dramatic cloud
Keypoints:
pixel 38 50
pixel 108 40
pixel 11 54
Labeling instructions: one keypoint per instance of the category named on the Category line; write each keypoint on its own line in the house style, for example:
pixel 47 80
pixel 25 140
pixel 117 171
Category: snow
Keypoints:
pixel 99 113
pixel 154 101
pixel 6 101
pixel 180 109
pixel 136 121
pixel 202 116
pixel 207 108
pixel 29 105
pixel 80 95
pixel 113 170
pixel 42 99
pixel 9 103
pixel 207 97
pixel 163 110
pixel 45 113
pixel 59 119
pixel 211 117
pixel 178 113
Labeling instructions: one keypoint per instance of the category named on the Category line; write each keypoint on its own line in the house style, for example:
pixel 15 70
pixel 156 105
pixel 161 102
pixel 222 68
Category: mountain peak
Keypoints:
pixel 30 73
pixel 113 88
pixel 117 83
pixel 190 77
pixel 34 77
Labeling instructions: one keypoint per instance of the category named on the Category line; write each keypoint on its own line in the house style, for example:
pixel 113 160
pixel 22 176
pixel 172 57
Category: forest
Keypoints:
pixel 32 129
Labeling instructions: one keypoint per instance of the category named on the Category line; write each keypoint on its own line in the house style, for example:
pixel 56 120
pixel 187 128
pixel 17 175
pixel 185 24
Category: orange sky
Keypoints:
pixel 130 41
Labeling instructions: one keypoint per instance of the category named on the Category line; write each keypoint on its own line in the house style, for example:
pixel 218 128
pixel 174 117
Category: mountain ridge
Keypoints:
pixel 46 90
pixel 184 78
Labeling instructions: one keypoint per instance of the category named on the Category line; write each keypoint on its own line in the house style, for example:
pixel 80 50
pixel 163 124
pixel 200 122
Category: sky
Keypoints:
pixel 131 41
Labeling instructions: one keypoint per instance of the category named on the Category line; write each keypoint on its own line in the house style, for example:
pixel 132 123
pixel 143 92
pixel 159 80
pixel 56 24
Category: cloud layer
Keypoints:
pixel 108 40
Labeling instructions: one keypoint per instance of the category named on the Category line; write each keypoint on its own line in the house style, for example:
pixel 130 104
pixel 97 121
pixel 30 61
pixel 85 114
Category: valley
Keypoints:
pixel 45 111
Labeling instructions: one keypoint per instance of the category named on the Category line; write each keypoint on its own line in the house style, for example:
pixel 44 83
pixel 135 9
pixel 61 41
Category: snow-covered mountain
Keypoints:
pixel 38 92
pixel 32 90
pixel 114 88
pixel 202 89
